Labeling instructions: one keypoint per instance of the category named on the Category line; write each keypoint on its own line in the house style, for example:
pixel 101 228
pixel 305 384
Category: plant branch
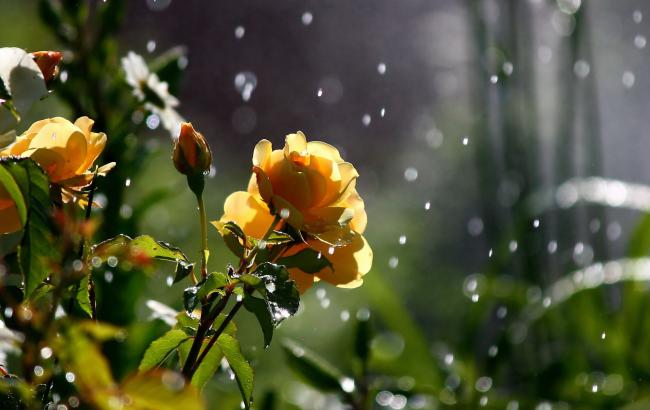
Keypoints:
pixel 216 335
pixel 204 237
pixel 207 318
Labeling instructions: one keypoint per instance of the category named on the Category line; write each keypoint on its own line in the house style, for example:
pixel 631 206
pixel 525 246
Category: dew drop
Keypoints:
pixel 70 377
pixel 38 371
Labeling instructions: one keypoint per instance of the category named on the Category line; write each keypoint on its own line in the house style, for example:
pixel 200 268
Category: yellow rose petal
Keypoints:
pixel 251 215
pixel 350 262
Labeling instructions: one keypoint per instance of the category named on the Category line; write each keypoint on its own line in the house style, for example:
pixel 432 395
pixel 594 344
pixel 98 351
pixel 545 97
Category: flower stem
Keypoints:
pixel 204 237
pixel 216 335
pixel 207 318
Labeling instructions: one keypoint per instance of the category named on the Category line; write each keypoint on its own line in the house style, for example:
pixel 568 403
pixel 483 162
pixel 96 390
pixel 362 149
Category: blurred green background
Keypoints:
pixel 501 276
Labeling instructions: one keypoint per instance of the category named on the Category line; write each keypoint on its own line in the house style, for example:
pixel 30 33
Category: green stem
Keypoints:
pixel 204 237
pixel 216 335
pixel 207 318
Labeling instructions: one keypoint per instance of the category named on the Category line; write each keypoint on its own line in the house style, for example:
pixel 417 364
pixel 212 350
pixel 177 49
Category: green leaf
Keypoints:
pixel 233 236
pixel 159 390
pixel 37 249
pixel 189 298
pixel 307 260
pixel 362 339
pixel 208 366
pixel 315 370
pixel 187 323
pixel 259 308
pixel 12 188
pixel 239 365
pixel 639 244
pixel 83 296
pixel 275 238
pixel 279 291
pixel 142 248
pixel 214 281
pixel 160 348
pixel 251 280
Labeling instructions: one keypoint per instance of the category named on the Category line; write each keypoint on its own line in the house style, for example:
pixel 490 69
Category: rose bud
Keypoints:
pixel 192 154
pixel 48 62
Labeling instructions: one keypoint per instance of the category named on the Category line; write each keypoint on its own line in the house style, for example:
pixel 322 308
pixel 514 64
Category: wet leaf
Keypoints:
pixel 279 290
pixel 314 369
pixel 160 348
pixel 239 365
pixel 208 366
pixel 141 250
pixel 83 296
pixel 36 250
pixel 214 281
pixel 260 309
pixel 307 260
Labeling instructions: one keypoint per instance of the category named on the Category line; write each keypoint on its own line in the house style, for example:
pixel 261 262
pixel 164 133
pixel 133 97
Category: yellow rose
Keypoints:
pixel 309 185
pixel 9 219
pixel 64 150
pixel 311 182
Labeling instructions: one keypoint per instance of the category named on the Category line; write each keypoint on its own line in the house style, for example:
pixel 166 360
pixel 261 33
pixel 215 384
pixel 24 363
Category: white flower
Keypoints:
pixel 148 88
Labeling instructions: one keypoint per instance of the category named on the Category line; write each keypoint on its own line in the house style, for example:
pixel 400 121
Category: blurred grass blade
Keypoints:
pixel 312 368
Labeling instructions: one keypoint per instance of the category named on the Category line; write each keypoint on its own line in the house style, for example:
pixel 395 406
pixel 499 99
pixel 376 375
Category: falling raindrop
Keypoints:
pixel 381 68
pixel 640 41
pixel 153 121
pixel 239 32
pixel 494 79
pixel 112 261
pixel 345 315
pixel 307 18
pixel 465 140
pixel 475 226
pixel 382 112
pixel 512 246
pixel 410 174
pixel 319 93
pixel 507 68
pixel 628 79
pixel 245 84
pixel 393 261
pixel 46 352
pixel 603 336
pixel 151 46
pixel 158 5
pixel 70 377
pixel 637 16
pixel 427 205
pixel 552 247
pixel 581 68
pixel 536 223
pixel 169 281
pixel 402 239
pixel 366 119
